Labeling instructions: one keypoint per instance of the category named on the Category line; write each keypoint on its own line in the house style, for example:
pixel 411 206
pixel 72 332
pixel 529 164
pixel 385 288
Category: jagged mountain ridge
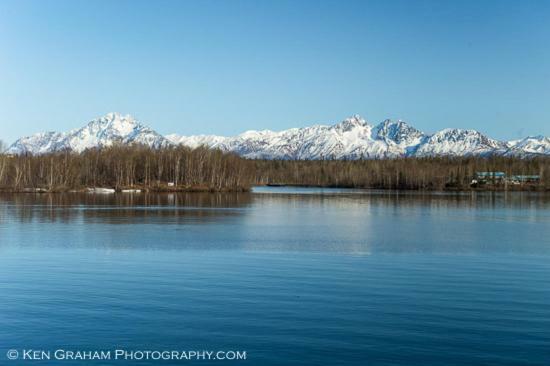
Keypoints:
pixel 352 138
pixel 100 132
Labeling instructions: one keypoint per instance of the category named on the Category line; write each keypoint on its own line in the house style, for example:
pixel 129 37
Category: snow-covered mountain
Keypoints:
pixel 104 131
pixel 457 142
pixel 39 143
pixel 353 138
pixel 530 145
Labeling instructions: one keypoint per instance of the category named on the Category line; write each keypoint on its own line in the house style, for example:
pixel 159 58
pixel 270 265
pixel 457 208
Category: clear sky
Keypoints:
pixel 227 66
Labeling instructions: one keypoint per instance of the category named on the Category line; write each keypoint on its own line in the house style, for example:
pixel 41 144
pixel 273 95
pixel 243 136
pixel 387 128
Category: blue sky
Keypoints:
pixel 227 66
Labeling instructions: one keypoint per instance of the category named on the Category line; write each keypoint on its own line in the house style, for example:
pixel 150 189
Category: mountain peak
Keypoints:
pixel 122 123
pixel 532 145
pixel 399 132
pixel 351 122
pixel 103 131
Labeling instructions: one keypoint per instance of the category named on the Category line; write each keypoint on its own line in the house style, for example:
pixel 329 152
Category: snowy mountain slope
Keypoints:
pixel 196 141
pixel 104 131
pixel 457 142
pixel 353 138
pixel 402 138
pixel 39 143
pixel 530 145
pixel 348 139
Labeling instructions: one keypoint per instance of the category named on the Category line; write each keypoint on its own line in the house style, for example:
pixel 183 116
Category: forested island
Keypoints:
pixel 141 168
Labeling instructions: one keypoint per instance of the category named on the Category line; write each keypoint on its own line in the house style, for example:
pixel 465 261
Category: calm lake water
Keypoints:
pixel 291 276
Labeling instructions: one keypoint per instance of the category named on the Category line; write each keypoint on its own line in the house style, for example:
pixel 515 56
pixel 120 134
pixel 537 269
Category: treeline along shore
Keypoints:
pixel 430 174
pixel 126 167
pixel 141 168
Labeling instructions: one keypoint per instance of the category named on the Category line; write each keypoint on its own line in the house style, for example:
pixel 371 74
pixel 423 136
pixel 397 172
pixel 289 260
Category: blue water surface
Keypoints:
pixel 291 276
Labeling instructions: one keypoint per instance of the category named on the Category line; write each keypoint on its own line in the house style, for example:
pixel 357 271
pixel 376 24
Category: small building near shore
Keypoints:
pixel 525 179
pixel 501 177
pixel 493 177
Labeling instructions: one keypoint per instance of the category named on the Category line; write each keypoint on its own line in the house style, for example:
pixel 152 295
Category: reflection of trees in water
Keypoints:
pixel 373 222
pixel 171 207
pixel 120 208
pixel 443 200
pixel 127 199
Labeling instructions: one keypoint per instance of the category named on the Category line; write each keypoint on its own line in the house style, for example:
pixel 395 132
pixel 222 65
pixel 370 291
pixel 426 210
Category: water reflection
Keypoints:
pixel 119 208
pixel 283 220
pixel 439 199
pixel 337 278
pixel 137 199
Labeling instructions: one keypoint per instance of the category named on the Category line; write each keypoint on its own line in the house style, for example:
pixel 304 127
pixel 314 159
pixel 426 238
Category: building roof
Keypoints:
pixel 490 174
pixel 526 176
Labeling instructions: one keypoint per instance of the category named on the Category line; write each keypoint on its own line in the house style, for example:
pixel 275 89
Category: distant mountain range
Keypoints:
pixel 352 138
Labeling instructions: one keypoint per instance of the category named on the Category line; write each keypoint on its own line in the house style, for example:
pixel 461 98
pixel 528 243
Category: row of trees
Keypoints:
pixel 405 173
pixel 127 167
pixel 206 169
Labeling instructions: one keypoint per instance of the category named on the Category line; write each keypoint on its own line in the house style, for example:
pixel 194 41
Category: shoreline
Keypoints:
pixel 108 190
pixel 510 188
pixel 200 189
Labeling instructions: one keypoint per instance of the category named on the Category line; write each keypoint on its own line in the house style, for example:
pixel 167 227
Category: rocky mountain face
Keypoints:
pixel 104 131
pixel 530 145
pixel 352 138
